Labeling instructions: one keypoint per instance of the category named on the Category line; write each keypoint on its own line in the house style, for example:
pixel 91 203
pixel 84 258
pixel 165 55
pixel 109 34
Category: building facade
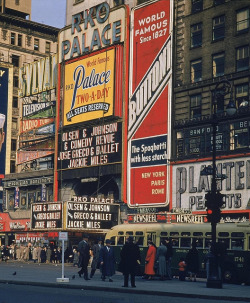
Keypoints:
pixel 22 42
pixel 212 48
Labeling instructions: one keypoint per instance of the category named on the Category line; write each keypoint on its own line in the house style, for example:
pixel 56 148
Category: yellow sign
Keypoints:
pixel 89 88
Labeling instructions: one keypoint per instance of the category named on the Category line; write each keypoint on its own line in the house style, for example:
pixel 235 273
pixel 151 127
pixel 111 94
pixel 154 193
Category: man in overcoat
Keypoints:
pixel 130 260
pixel 96 256
pixel 107 261
pixel 83 251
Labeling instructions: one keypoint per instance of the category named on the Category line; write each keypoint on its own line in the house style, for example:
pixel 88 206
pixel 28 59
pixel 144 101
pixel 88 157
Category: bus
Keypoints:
pixel 234 236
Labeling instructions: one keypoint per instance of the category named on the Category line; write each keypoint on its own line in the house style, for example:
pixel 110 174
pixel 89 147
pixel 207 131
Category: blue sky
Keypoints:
pixel 49 12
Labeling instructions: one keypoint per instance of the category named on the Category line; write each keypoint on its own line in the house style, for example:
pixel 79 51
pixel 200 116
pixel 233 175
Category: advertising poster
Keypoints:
pixel 4 78
pixel 149 106
pixel 89 88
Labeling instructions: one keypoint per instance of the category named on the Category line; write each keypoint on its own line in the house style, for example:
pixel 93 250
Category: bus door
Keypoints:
pixel 151 236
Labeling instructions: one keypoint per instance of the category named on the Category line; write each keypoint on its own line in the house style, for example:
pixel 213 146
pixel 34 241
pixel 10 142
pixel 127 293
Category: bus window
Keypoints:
pixel 237 244
pixel 163 234
pixel 225 242
pixel 199 242
pixel 175 242
pixel 120 232
pixel 186 239
pixel 151 236
pixel 223 234
pixel 120 241
pixel 208 242
pixel 129 233
pixel 112 239
pixel 139 241
pixel 139 233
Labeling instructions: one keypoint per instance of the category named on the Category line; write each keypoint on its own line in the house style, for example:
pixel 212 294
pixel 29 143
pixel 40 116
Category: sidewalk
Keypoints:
pixel 46 275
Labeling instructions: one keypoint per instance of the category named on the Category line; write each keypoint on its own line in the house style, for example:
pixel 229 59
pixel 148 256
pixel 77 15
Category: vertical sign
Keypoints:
pixel 4 77
pixel 149 104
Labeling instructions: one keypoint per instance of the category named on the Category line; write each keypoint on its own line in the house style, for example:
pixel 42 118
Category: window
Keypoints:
pixel 196 35
pixel 12 166
pixel 13 145
pixel 36 44
pixel 14 123
pixel 218 28
pixel 197 6
pixel 15 60
pixel 218 2
pixel 195 106
pixel 15 102
pixel 239 136
pixel 47 47
pixel 196 70
pixel 242 95
pixel 12 38
pixel 118 2
pixel 15 81
pixel 242 20
pixel 242 58
pixel 20 40
pixel 218 65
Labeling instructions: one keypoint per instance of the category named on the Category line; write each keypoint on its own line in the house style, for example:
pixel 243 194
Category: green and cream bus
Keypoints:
pixel 234 236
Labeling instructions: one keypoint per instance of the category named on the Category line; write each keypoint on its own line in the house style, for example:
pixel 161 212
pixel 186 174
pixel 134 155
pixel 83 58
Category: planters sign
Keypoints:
pixel 89 88
pixel 88 34
pixel 149 108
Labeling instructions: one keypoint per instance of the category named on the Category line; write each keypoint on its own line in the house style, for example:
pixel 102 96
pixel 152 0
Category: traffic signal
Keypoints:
pixel 213 203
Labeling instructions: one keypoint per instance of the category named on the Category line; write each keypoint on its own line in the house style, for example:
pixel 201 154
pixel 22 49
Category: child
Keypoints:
pixel 75 257
pixel 182 270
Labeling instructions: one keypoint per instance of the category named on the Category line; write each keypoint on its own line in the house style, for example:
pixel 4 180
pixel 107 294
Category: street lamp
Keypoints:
pixel 214 199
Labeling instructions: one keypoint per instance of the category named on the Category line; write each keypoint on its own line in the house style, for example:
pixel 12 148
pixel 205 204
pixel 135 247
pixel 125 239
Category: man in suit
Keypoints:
pixel 107 261
pixel 83 251
pixel 96 256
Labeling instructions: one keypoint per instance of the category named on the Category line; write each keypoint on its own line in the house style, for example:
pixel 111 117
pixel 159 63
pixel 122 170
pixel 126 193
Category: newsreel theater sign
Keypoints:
pixel 190 187
pixel 93 216
pixel 149 108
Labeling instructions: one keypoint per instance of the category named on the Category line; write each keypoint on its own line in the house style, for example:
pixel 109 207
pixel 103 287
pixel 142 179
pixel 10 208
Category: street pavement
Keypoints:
pixel 29 273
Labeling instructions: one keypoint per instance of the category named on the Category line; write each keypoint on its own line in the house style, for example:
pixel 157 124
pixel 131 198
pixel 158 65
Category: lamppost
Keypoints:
pixel 214 199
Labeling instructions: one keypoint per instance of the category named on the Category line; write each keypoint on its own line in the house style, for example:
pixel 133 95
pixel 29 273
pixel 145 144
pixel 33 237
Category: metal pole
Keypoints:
pixel 62 259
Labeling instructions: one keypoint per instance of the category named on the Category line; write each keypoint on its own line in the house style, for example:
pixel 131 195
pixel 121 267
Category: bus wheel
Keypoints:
pixel 229 275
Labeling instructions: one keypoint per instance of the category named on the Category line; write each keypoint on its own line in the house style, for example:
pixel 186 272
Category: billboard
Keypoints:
pixel 89 88
pixel 5 116
pixel 91 30
pixel 149 106
pixel 90 146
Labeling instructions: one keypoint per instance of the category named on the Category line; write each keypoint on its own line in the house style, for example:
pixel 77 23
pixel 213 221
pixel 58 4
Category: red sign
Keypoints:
pixel 7 224
pixel 149 116
pixel 30 124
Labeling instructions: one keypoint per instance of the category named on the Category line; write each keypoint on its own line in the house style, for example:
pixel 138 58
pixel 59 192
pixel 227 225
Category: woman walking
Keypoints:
pixel 161 260
pixel 150 261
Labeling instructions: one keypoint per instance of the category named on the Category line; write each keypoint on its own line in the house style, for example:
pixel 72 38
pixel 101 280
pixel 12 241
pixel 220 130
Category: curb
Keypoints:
pixel 126 290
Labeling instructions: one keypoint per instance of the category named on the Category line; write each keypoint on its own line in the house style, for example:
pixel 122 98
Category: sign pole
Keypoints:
pixel 63 236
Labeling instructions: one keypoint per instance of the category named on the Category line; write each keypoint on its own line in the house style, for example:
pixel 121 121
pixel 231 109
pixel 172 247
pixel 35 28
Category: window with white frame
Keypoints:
pixel 218 65
pixel 242 58
pixel 196 70
pixel 242 20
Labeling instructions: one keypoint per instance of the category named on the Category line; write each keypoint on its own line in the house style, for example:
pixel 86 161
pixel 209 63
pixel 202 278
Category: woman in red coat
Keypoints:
pixel 150 260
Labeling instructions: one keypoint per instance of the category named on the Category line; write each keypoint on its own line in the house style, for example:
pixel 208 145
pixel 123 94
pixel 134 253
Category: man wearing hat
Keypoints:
pixel 130 261
pixel 2 134
pixel 83 251
pixel 96 256
pixel 107 261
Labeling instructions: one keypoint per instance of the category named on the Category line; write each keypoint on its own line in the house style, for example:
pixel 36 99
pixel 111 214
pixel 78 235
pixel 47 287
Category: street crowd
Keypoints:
pixel 102 257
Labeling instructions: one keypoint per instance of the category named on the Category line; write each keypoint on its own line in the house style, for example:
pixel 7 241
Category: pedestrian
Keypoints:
pixel 43 255
pixel 192 260
pixel 48 254
pixel 84 255
pixel 182 269
pixel 35 254
pixel 39 249
pixel 75 257
pixel 169 258
pixel 95 264
pixel 26 253
pixel 160 260
pixel 107 261
pixel 130 261
pixel 150 260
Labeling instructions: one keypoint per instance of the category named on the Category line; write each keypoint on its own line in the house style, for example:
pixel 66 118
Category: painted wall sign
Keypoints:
pixel 91 30
pixel 26 125
pixel 39 110
pixel 38 76
pixel 26 156
pixel 189 187
pixel 91 215
pixel 8 225
pixel 89 88
pixel 47 216
pixel 149 108
pixel 91 146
